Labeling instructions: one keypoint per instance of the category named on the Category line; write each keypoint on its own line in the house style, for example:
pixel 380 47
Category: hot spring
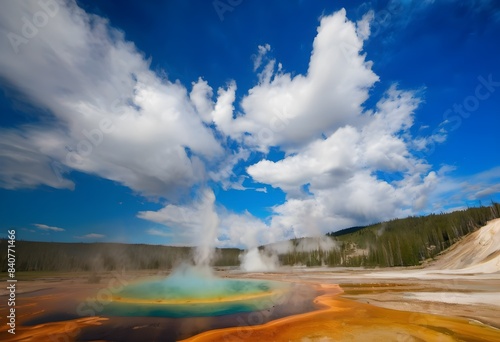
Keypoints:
pixel 192 291
pixel 192 299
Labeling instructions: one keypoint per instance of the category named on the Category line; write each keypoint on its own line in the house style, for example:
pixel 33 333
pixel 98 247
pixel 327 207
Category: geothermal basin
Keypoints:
pixel 294 304
pixel 192 291
pixel 457 298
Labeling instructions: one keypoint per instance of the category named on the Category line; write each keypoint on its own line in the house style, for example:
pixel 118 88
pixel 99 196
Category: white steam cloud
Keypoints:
pixel 205 250
pixel 255 260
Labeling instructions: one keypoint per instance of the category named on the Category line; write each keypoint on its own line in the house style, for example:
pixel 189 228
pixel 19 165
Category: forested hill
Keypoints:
pixel 400 242
pixel 97 257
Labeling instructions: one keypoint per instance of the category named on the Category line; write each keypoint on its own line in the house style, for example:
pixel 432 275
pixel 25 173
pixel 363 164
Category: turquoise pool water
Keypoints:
pixel 194 292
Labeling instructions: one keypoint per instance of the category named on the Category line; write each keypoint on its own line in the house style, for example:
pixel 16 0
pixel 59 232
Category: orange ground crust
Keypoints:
pixel 339 319
pixel 346 320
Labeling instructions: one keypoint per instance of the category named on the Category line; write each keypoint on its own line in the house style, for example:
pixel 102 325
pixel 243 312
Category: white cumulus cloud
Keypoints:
pixel 106 113
pixel 50 228
pixel 91 236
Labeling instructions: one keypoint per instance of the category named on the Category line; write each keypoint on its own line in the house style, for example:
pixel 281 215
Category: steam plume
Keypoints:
pixel 210 221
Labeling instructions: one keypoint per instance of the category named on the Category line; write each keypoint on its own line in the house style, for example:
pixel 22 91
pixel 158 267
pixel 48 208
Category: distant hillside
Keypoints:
pixel 346 231
pixel 478 252
pixel 58 256
pixel 400 242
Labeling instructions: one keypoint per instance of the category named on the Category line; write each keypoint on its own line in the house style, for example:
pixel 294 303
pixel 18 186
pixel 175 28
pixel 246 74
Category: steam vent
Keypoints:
pixel 191 292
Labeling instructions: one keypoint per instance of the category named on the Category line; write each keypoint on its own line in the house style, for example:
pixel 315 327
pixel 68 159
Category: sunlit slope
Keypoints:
pixel 407 241
pixel 478 252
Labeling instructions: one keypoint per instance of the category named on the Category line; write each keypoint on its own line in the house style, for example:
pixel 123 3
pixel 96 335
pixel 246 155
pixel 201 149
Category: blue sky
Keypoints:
pixel 120 119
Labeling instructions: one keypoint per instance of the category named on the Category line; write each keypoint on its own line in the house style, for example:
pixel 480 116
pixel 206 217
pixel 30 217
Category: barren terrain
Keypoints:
pixel 456 297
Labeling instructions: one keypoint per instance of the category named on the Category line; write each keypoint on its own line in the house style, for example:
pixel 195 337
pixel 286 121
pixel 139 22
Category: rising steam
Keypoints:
pixel 210 221
pixel 258 261
pixel 266 260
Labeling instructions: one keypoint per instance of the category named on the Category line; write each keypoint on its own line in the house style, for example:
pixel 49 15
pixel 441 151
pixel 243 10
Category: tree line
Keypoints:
pixel 98 257
pixel 399 242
